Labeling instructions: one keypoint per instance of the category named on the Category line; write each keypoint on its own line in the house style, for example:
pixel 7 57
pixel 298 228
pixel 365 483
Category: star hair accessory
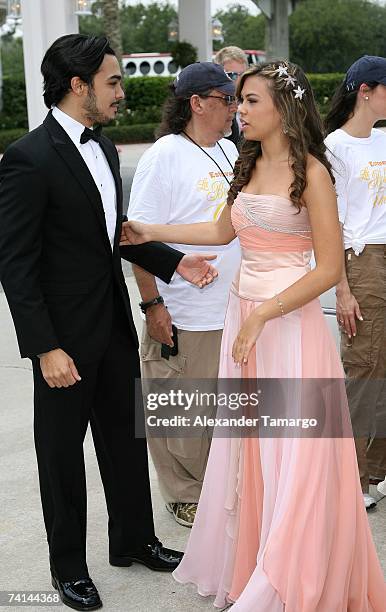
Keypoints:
pixel 290 80
pixel 281 70
pixel 299 92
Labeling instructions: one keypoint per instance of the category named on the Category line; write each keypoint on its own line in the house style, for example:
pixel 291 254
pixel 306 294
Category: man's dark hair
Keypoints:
pixel 176 113
pixel 70 56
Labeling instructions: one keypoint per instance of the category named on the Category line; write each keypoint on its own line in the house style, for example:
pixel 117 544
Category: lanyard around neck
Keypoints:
pixel 210 157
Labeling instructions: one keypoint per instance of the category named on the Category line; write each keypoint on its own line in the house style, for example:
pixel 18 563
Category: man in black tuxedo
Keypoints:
pixel 60 225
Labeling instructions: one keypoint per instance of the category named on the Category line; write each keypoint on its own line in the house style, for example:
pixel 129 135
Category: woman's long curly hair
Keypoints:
pixel 302 125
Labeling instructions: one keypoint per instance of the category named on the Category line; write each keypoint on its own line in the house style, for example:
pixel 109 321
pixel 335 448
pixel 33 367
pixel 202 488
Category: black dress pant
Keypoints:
pixel 105 398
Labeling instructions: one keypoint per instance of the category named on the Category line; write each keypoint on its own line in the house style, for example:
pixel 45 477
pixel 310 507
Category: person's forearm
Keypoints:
pixel 209 233
pixel 343 286
pixel 303 291
pixel 146 284
pixel 158 259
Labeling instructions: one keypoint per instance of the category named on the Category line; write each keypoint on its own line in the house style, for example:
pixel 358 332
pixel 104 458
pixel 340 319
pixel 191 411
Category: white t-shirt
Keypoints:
pixel 359 166
pixel 175 182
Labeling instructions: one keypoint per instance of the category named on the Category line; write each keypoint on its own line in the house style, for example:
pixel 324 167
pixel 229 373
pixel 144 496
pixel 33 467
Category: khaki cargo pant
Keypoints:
pixel 364 360
pixel 181 462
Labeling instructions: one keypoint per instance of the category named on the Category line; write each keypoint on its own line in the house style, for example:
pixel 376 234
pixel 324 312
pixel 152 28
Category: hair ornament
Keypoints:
pixel 281 70
pixel 290 80
pixel 299 92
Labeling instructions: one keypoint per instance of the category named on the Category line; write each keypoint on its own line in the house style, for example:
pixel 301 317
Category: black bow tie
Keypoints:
pixel 88 134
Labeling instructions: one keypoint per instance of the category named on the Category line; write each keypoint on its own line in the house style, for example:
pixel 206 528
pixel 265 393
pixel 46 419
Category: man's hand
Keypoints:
pixel 159 324
pixel 197 270
pixel 134 232
pixel 58 369
pixel 347 309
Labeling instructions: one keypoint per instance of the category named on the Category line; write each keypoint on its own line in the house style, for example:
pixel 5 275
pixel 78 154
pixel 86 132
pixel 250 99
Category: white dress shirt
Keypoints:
pixel 98 166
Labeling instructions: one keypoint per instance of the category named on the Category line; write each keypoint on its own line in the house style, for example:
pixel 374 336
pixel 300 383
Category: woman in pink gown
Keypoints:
pixel 280 525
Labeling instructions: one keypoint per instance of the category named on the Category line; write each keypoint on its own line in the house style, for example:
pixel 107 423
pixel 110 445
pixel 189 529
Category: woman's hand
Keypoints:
pixel 247 337
pixel 347 309
pixel 134 232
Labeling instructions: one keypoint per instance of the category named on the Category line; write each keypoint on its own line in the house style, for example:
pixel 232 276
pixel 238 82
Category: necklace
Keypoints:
pixel 210 157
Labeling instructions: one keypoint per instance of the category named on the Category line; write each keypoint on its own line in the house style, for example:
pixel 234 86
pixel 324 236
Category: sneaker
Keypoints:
pixel 375 481
pixel 381 487
pixel 184 513
pixel 369 501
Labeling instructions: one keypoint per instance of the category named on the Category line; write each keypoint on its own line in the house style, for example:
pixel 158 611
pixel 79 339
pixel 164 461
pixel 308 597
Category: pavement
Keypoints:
pixel 24 559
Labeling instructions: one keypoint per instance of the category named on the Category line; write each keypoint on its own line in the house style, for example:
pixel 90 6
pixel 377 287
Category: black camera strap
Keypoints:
pixel 210 157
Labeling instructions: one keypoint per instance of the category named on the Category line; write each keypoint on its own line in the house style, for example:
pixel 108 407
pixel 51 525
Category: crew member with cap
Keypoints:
pixel 184 178
pixel 358 156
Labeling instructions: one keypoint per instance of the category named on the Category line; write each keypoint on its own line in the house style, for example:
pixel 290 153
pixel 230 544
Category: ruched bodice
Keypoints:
pixel 270 222
pixel 276 244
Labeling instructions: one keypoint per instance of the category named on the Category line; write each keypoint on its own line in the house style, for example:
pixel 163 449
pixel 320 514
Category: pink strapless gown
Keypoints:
pixel 281 524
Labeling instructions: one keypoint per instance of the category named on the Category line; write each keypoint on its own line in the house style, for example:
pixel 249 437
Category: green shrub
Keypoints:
pixel 324 86
pixel 143 115
pixel 183 53
pixel 126 134
pixel 14 113
pixel 122 134
pixel 146 93
pixel 7 137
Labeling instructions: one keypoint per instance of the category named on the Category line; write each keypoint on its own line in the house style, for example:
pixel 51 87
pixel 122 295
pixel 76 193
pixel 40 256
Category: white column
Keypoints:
pixel 195 26
pixel 43 22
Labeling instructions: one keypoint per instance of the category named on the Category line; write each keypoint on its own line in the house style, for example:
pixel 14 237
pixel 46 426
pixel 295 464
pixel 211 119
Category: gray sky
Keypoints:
pixel 216 4
pixel 222 4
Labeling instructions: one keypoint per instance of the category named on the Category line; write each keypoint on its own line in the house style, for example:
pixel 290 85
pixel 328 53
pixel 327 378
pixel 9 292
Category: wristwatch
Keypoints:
pixel 145 305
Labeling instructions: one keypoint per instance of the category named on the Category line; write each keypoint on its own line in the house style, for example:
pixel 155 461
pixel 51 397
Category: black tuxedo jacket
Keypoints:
pixel 57 267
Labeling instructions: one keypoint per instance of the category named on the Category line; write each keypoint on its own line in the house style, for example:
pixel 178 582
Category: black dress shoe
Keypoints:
pixel 154 556
pixel 78 594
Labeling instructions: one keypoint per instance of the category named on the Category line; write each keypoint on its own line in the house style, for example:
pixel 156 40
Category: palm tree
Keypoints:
pixel 111 22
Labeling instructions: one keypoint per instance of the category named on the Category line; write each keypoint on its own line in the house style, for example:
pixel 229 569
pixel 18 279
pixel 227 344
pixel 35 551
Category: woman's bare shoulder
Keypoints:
pixel 319 181
pixel 315 169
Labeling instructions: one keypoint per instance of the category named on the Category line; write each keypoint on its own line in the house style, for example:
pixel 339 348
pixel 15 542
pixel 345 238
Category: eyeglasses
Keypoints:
pixel 234 75
pixel 229 100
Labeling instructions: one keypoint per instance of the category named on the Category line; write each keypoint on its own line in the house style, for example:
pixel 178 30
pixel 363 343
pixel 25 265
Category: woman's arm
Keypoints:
pixel 211 233
pixel 320 199
pixel 347 307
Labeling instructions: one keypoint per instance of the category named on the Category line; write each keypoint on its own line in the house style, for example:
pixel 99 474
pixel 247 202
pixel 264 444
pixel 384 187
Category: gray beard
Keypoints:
pixel 228 133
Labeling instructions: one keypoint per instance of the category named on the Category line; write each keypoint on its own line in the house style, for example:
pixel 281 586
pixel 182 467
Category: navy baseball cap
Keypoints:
pixel 202 77
pixel 367 69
